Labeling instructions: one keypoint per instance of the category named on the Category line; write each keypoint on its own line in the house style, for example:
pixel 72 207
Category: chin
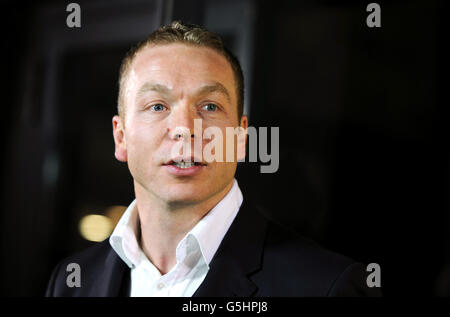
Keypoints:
pixel 185 193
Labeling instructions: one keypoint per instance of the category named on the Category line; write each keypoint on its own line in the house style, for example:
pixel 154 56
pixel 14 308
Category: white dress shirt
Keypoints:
pixel 193 253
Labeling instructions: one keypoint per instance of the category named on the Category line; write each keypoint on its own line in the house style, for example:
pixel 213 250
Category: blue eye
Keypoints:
pixel 210 107
pixel 158 107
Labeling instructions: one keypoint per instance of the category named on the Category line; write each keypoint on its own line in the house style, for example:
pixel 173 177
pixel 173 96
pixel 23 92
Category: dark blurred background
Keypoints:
pixel 364 159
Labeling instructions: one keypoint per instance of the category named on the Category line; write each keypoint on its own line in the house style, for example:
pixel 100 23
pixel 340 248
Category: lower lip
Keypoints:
pixel 190 171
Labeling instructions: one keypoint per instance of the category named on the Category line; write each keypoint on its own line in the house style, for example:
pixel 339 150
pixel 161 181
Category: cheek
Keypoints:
pixel 142 144
pixel 223 172
pixel 229 144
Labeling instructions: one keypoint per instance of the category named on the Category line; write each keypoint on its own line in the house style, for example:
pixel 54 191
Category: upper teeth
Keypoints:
pixel 184 164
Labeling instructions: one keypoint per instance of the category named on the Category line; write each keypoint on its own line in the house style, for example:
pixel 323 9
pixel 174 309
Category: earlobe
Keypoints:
pixel 119 139
pixel 244 122
pixel 121 154
pixel 242 138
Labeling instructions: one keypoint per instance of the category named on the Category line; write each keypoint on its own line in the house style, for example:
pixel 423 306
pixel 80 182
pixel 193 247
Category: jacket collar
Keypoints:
pixel 239 255
pixel 114 278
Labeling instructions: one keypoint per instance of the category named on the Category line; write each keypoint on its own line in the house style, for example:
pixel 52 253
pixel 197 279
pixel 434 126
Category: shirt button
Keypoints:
pixel 160 285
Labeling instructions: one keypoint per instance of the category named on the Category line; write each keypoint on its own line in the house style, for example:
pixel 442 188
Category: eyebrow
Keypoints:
pixel 163 90
pixel 215 87
pixel 166 91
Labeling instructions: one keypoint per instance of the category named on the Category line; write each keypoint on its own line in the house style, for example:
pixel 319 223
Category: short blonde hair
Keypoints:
pixel 178 32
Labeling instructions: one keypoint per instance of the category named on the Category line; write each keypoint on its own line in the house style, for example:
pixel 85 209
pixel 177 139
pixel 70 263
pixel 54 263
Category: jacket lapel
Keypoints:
pixel 238 256
pixel 113 278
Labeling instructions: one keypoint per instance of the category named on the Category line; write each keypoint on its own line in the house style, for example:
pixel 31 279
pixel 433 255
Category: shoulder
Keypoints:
pixel 91 257
pixel 90 262
pixel 294 265
pixel 289 246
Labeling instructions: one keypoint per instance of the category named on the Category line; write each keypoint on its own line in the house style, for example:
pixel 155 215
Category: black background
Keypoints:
pixel 364 159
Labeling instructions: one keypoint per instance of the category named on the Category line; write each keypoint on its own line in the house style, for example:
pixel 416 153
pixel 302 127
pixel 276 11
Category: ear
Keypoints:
pixel 242 138
pixel 119 139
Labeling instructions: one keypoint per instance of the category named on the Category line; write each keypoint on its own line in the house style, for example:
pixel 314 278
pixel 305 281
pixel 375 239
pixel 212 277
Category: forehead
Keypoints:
pixel 180 66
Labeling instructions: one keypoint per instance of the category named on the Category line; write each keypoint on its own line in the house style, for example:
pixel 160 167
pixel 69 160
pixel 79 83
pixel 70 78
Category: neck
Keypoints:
pixel 163 224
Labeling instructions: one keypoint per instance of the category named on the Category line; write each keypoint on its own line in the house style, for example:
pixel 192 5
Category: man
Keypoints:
pixel 190 232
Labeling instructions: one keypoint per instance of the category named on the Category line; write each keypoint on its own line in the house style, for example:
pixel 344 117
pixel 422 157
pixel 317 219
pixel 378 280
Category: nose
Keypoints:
pixel 181 122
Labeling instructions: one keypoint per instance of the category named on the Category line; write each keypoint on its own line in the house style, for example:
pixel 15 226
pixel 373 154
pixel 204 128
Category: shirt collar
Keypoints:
pixel 205 236
pixel 211 229
pixel 124 237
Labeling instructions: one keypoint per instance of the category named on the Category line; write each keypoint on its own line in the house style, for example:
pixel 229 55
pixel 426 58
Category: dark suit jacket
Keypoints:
pixel 257 257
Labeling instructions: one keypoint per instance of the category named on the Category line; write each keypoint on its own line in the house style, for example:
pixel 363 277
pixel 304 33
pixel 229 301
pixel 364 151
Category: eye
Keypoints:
pixel 158 107
pixel 210 107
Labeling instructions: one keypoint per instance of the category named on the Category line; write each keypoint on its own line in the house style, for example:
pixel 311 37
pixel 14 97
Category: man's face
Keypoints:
pixel 168 86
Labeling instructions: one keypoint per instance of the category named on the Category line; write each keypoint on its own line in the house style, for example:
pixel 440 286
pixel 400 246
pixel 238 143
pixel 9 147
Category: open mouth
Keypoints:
pixel 183 164
pixel 183 167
